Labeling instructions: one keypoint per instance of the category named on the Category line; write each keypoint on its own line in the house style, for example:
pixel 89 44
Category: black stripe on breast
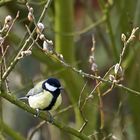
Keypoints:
pixel 55 95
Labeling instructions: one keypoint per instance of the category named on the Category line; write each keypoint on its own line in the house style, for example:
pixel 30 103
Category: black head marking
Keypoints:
pixel 54 82
pixel 51 83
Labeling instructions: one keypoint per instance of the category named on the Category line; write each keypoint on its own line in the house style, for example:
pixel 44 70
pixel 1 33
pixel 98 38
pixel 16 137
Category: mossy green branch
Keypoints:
pixel 10 132
pixel 43 115
pixel 105 7
pixel 4 2
pixel 112 37
pixel 64 21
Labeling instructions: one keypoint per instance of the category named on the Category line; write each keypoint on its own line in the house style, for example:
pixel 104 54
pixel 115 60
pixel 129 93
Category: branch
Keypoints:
pixel 15 61
pixel 85 30
pixel 57 57
pixel 43 115
pixel 34 130
pixel 14 135
pixel 91 76
pixel 4 2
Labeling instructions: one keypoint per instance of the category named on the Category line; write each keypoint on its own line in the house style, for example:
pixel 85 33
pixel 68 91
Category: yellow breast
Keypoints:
pixel 58 102
pixel 43 100
pixel 40 101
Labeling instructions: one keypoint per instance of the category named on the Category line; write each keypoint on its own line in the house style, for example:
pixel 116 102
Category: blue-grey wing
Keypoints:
pixel 37 89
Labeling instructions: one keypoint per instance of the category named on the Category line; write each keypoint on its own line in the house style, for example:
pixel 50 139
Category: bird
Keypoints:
pixel 46 95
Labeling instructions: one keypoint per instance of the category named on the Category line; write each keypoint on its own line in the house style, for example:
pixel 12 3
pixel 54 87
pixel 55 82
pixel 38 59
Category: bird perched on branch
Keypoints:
pixel 46 95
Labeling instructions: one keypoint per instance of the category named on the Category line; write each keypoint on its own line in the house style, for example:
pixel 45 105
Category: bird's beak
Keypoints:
pixel 61 88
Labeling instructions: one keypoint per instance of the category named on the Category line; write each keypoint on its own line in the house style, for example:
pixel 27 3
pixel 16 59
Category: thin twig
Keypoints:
pixel 14 62
pixel 3 60
pixel 80 96
pixel 9 29
pixel 100 104
pixel 126 42
pixel 4 67
pixel 63 110
pixel 109 90
pixel 99 83
pixel 56 56
pixel 34 130
pixel 4 53
pixel 88 75
pixel 81 109
pixel 131 37
pixel 30 46
pixel 84 124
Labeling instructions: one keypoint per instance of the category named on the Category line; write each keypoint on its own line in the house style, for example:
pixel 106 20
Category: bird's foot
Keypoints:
pixel 50 117
pixel 37 113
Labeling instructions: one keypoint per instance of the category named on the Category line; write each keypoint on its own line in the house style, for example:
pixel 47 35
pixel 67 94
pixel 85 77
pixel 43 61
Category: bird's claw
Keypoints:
pixel 37 113
pixel 50 119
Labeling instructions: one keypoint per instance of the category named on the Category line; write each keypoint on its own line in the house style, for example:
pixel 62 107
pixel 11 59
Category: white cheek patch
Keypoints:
pixel 49 87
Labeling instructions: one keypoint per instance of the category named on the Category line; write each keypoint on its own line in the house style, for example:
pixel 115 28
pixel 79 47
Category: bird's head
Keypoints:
pixel 52 85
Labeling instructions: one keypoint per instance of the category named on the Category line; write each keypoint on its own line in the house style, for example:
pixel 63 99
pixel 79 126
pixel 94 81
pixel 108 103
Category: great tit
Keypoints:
pixel 45 95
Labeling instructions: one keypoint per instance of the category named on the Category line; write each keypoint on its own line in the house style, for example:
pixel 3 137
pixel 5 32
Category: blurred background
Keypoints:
pixel 70 24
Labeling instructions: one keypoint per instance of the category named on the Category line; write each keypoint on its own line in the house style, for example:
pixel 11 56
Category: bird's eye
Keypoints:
pixel 52 85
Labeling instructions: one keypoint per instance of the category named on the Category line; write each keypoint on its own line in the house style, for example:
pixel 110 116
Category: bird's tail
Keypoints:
pixel 23 98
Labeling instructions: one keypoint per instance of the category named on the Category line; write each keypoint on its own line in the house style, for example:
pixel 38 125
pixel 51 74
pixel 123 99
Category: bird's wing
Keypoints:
pixel 37 89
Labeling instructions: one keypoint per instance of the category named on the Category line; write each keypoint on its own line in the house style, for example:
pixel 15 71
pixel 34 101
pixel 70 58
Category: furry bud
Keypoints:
pixel 42 37
pixel 94 67
pixel 123 37
pixel 8 20
pixel 118 70
pixel 40 27
pixel 111 77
